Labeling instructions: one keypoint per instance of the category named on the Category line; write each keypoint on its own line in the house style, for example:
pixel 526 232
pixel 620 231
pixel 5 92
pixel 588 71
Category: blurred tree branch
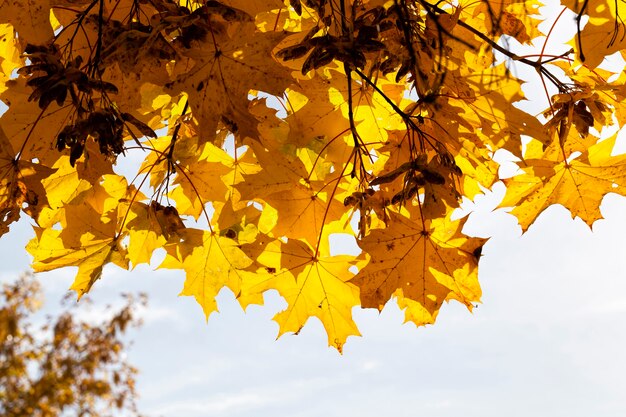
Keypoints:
pixel 65 366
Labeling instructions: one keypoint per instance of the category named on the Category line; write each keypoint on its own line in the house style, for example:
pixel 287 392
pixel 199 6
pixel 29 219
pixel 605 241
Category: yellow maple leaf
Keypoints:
pixel 149 227
pixel 313 286
pixel 224 67
pixel 579 184
pixel 20 185
pixel 501 123
pixel 199 180
pixel 211 262
pixel 30 18
pixel 87 241
pixel 515 18
pixel 602 34
pixel 27 126
pixel 69 182
pixel 303 206
pixel 9 54
pixel 429 261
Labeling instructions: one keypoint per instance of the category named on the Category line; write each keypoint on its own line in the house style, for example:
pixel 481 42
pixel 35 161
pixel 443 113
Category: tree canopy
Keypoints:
pixel 258 131
pixel 64 366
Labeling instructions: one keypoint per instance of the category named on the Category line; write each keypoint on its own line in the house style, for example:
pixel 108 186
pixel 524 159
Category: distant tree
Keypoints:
pixel 65 367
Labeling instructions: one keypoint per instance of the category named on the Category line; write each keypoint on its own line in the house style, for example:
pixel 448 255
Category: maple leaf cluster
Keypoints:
pixel 263 128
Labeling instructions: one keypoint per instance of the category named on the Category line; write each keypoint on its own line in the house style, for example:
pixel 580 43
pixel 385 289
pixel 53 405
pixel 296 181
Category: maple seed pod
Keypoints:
pixel 102 86
pixel 398 198
pixel 319 57
pixel 392 175
pixel 192 33
pixel 229 14
pixel 293 52
pixel 417 180
pixel 141 126
pixel 404 70
pixel 389 65
pixel 350 200
pixel 433 177
pixel 370 45
pixel 65 137
pixel 76 152
pixel 168 218
pixel 583 119
pixel 297 6
pixel 32 49
pixel 367 33
pixel 317 5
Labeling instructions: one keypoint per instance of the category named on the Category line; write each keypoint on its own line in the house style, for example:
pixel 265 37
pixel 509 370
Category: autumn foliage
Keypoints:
pixel 258 130
pixel 63 366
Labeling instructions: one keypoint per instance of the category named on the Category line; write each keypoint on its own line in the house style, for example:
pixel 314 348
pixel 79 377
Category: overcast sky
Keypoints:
pixel 549 338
